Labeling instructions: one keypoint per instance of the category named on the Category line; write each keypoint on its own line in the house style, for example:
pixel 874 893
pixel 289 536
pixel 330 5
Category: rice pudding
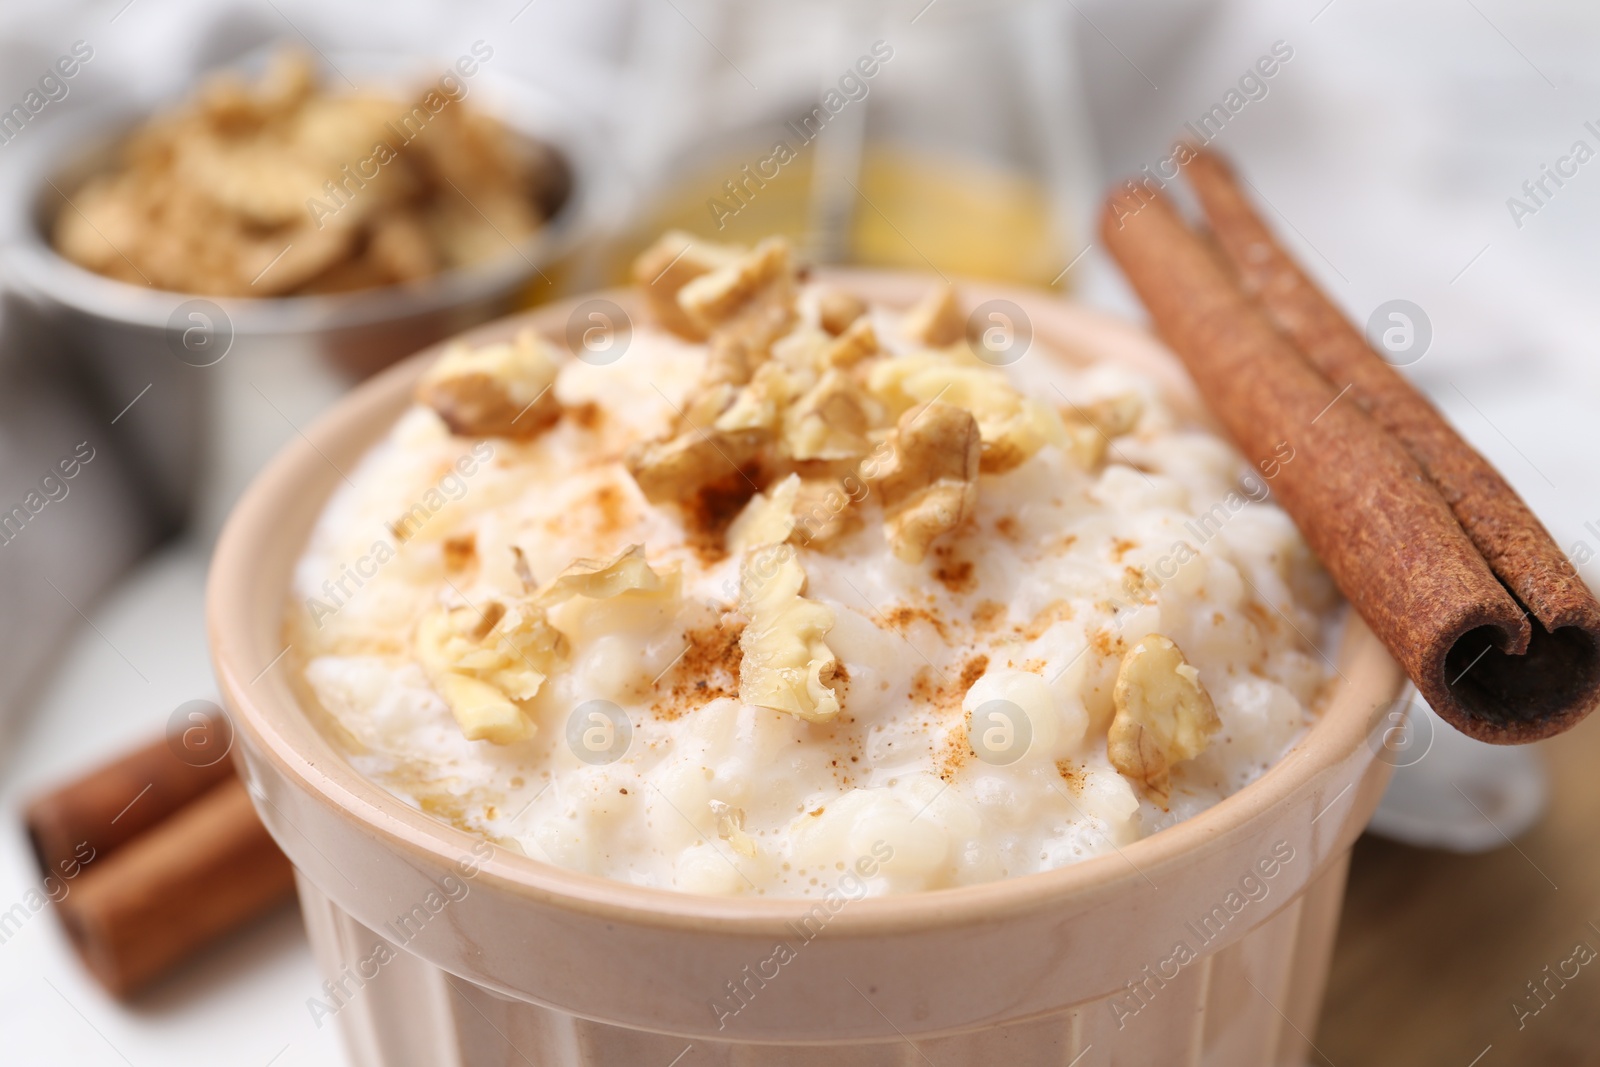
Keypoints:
pixel 798 591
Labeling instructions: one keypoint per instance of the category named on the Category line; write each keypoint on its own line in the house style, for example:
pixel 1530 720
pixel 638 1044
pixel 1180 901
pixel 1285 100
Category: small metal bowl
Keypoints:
pixel 213 385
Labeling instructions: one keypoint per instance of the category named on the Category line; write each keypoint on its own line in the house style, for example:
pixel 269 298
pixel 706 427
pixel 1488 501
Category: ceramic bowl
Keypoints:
pixel 1205 943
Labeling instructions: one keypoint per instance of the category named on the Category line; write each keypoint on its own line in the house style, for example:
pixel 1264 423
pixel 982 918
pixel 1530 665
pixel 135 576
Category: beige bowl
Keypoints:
pixel 442 950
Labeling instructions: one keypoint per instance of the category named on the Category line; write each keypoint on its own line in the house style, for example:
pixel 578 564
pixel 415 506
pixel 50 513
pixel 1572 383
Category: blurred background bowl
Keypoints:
pixel 205 389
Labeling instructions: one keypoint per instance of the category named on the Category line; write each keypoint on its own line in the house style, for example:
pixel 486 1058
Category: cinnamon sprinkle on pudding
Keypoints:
pixel 803 578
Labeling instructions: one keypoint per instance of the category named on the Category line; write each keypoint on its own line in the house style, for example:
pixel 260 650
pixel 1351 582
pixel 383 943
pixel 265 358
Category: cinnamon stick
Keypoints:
pixel 116 802
pixel 1362 502
pixel 1548 676
pixel 206 870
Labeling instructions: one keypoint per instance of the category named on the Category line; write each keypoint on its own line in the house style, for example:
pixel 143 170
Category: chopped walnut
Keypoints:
pixel 498 390
pixel 1013 426
pixel 838 309
pixel 1014 438
pixel 676 259
pixel 935 320
pixel 706 404
pixel 829 422
pixel 785 665
pixel 482 711
pixel 1163 715
pixel 488 664
pixel 801 350
pixel 730 360
pixel 823 512
pixel 761 278
pixel 767 519
pixel 856 343
pixel 813 512
pixel 1113 415
pixel 485 664
pixel 760 404
pixel 681 467
pixel 598 579
pixel 930 484
pixel 730 827
pixel 770 316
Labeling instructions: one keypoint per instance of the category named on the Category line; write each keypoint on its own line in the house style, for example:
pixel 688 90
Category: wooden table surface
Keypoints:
pixel 1436 949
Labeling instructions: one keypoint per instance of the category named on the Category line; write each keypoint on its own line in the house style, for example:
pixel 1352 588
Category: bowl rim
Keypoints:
pixel 321 770
pixel 33 265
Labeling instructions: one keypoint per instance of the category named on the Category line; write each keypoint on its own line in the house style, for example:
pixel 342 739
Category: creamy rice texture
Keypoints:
pixel 976 688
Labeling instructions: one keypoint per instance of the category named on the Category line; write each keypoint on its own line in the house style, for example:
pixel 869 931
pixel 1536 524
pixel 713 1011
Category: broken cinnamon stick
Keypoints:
pixel 206 870
pixel 99 811
pixel 1547 677
pixel 1364 505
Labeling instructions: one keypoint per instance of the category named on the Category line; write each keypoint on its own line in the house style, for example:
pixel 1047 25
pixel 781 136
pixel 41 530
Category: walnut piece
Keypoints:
pixel 813 512
pixel 837 309
pixel 497 390
pixel 599 579
pixel 1113 415
pixel 930 483
pixel 730 827
pixel 682 467
pixel 828 422
pixel 785 664
pixel 676 259
pixel 1013 426
pixel 853 345
pixel 823 512
pixel 936 320
pixel 1163 715
pixel 762 277
pixel 486 664
pixel 767 519
pixel 759 405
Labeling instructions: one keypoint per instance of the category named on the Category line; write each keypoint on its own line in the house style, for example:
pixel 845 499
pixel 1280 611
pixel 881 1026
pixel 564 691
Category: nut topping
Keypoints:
pixel 786 664
pixel 828 422
pixel 486 664
pixel 838 308
pixel 930 485
pixel 676 259
pixel 935 320
pixel 626 572
pixel 1113 415
pixel 763 276
pixel 497 390
pixel 682 467
pixel 768 519
pixel 1013 426
pixel 856 343
pixel 1163 715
